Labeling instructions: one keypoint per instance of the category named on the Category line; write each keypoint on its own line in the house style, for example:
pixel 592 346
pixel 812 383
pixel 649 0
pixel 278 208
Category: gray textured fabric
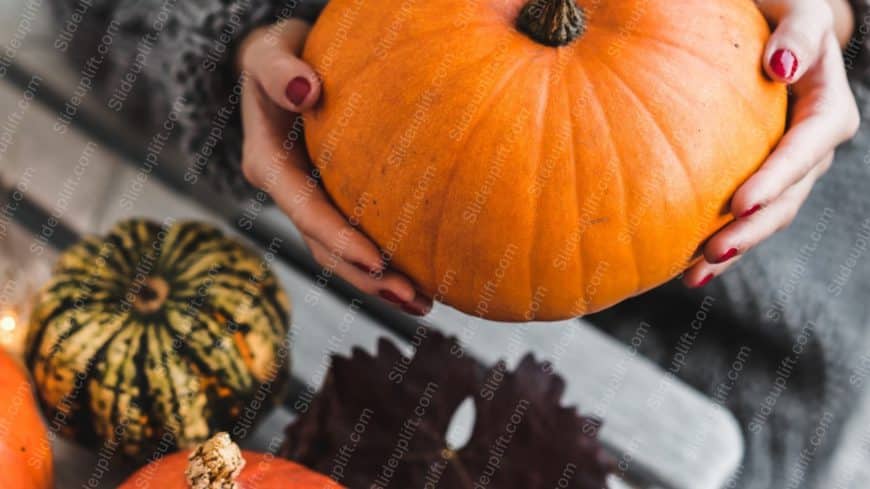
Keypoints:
pixel 807 289
pixel 180 52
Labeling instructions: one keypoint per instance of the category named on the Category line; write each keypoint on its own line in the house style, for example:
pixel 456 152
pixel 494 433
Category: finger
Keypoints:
pixel 797 41
pixel 390 286
pixel 795 156
pixel 741 235
pixel 274 63
pixel 266 148
pixel 702 273
pixel 824 116
pixel 420 306
pixel 317 218
pixel 284 173
pixel 289 82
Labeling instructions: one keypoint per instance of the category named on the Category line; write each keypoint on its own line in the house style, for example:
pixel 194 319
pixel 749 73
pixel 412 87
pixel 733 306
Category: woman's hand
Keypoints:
pixel 803 52
pixel 277 85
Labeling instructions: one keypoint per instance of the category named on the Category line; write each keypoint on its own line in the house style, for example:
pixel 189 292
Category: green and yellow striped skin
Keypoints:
pixel 156 336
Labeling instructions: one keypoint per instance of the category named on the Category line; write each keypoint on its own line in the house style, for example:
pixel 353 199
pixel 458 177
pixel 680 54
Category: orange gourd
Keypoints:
pixel 540 160
pixel 25 452
pixel 218 463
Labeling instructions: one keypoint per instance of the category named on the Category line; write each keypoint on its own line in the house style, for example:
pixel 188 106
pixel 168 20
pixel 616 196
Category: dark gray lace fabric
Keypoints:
pixel 180 52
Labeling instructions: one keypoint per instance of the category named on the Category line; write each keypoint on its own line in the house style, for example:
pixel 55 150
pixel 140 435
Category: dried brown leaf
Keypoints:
pixel 381 421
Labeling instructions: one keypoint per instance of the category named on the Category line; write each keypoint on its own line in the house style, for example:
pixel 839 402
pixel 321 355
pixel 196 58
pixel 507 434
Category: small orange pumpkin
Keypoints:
pixel 218 462
pixel 25 452
pixel 540 159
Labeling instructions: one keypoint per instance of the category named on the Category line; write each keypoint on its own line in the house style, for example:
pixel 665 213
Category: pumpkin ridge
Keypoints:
pixel 202 238
pixel 620 173
pixel 482 111
pixel 679 95
pixel 75 326
pixel 128 240
pixel 256 299
pixel 125 260
pixel 251 375
pixel 208 253
pixel 469 66
pixel 140 380
pixel 693 55
pixel 135 236
pixel 162 362
pixel 186 351
pixel 182 241
pixel 174 403
pixel 397 49
pixel 273 294
pixel 84 395
pixel 38 334
pixel 244 379
pixel 412 43
pixel 544 95
pixel 681 163
pixel 91 247
pixel 573 167
pixel 73 275
pixel 198 357
pixel 130 352
pixel 371 57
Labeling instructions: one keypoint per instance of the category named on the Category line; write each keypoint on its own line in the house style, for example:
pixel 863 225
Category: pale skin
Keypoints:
pixel 270 58
pixel 824 115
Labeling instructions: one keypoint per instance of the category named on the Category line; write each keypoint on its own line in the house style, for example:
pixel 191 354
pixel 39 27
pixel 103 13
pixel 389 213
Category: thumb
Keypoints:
pixel 796 43
pixel 289 82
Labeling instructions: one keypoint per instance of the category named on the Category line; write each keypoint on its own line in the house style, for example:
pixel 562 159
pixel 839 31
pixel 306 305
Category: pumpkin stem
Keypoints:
pixel 215 464
pixel 152 295
pixel 552 22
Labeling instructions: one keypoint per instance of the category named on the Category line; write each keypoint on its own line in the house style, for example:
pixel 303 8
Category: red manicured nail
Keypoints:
pixel 751 211
pixel 784 63
pixel 727 255
pixel 363 268
pixel 704 281
pixel 389 296
pixel 413 310
pixel 298 89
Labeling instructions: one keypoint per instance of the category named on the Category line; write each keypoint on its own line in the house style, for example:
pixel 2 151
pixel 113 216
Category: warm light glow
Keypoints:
pixel 7 323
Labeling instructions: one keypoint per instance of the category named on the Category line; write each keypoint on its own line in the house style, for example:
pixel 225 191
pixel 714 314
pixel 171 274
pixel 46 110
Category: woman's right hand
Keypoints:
pixel 277 86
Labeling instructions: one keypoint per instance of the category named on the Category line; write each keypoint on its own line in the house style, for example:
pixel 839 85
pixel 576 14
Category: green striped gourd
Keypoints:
pixel 157 336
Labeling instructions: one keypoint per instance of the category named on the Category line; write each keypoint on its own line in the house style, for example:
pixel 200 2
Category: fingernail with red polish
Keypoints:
pixel 783 63
pixel 298 89
pixel 727 255
pixel 413 310
pixel 363 268
pixel 391 297
pixel 751 211
pixel 705 281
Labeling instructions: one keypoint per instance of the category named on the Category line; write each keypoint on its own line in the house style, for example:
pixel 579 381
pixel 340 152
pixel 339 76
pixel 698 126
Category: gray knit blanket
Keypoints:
pixel 781 339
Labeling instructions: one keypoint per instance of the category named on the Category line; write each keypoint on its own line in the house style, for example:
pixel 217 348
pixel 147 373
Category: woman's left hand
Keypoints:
pixel 803 52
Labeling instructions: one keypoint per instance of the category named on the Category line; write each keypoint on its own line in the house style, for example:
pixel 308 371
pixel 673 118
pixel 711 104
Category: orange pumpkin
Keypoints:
pixel 542 160
pixel 218 463
pixel 25 452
